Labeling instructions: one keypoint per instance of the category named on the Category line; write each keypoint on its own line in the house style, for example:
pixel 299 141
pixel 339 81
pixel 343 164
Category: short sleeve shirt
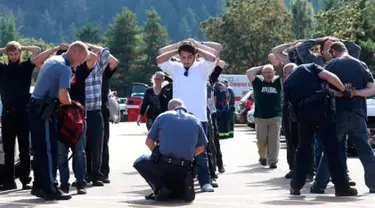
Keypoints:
pixel 191 89
pixel 295 87
pixel 55 74
pixel 77 84
pixel 267 97
pixel 351 70
pixel 15 81
pixel 175 141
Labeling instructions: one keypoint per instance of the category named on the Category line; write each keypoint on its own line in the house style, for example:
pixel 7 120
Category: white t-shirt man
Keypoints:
pixel 192 90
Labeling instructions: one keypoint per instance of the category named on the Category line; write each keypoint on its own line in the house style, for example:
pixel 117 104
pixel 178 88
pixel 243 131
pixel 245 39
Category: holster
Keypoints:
pixel 155 155
pixel 48 108
pixel 329 98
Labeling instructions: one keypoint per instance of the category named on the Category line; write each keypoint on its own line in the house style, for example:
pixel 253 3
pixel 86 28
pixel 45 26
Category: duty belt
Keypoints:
pixel 172 161
pixel 317 96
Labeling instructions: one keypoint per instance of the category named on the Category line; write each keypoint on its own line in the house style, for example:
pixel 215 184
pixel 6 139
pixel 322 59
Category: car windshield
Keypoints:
pixel 122 100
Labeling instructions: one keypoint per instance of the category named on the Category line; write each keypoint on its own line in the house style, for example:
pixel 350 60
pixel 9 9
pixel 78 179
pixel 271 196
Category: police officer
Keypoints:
pixel 313 108
pixel 51 90
pixel 15 80
pixel 175 138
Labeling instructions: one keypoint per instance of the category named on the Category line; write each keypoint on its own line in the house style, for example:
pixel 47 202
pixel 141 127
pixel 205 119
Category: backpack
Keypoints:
pixel 71 123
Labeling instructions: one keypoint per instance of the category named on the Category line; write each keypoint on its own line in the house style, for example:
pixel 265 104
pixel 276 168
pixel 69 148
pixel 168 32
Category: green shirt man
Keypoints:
pixel 267 97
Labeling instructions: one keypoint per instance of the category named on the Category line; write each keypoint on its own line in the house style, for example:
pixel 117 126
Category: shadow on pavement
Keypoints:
pixel 28 203
pixel 135 134
pixel 255 168
pixel 303 201
pixel 131 173
pixel 152 203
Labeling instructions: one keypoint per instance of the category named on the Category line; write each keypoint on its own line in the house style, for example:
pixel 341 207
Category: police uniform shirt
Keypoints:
pixel 178 133
pixel 303 82
pixel 15 81
pixel 54 75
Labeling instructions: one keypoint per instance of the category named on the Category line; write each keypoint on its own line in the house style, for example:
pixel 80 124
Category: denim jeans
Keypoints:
pixel 202 163
pixel 353 125
pixel 79 160
pixel 318 150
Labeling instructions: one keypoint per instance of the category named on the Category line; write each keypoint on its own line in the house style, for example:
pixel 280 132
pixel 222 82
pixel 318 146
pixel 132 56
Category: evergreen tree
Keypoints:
pixel 303 19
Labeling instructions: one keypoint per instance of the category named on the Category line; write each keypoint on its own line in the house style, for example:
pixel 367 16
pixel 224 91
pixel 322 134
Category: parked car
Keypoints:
pixel 123 108
pixel 245 104
pixel 250 117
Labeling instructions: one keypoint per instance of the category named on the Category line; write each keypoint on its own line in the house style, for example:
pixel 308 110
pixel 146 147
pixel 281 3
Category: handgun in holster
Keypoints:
pixel 329 98
pixel 48 108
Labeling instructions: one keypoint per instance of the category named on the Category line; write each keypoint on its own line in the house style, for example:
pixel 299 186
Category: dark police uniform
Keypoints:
pixel 169 169
pixel 313 111
pixel 55 74
pixel 15 80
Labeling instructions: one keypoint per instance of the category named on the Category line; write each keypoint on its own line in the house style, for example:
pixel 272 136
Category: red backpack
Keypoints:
pixel 71 123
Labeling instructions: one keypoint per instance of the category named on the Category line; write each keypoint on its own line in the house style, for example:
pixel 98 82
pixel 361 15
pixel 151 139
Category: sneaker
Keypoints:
pixel 263 161
pixel 207 188
pixel 289 175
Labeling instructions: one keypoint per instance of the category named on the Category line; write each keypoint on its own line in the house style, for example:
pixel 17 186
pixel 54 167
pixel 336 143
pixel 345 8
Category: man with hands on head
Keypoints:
pixel 15 81
pixel 267 93
pixel 77 93
pixel 189 84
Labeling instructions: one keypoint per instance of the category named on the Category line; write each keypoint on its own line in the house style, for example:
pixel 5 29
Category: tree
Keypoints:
pixel 342 21
pixel 122 40
pixel 303 19
pixel 8 29
pixel 248 31
pixel 89 33
pixel 154 37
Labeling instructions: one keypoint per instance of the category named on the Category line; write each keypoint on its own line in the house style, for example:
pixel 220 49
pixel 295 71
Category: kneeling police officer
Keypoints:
pixel 174 139
pixel 312 105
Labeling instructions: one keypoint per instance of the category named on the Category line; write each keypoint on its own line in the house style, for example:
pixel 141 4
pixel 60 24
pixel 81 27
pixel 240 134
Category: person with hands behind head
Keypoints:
pixel 351 113
pixel 15 81
pixel 190 85
pixel 77 93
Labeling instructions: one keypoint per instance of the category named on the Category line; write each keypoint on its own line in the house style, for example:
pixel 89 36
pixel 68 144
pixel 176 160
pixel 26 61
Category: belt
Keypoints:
pixel 34 101
pixel 172 161
pixel 318 96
